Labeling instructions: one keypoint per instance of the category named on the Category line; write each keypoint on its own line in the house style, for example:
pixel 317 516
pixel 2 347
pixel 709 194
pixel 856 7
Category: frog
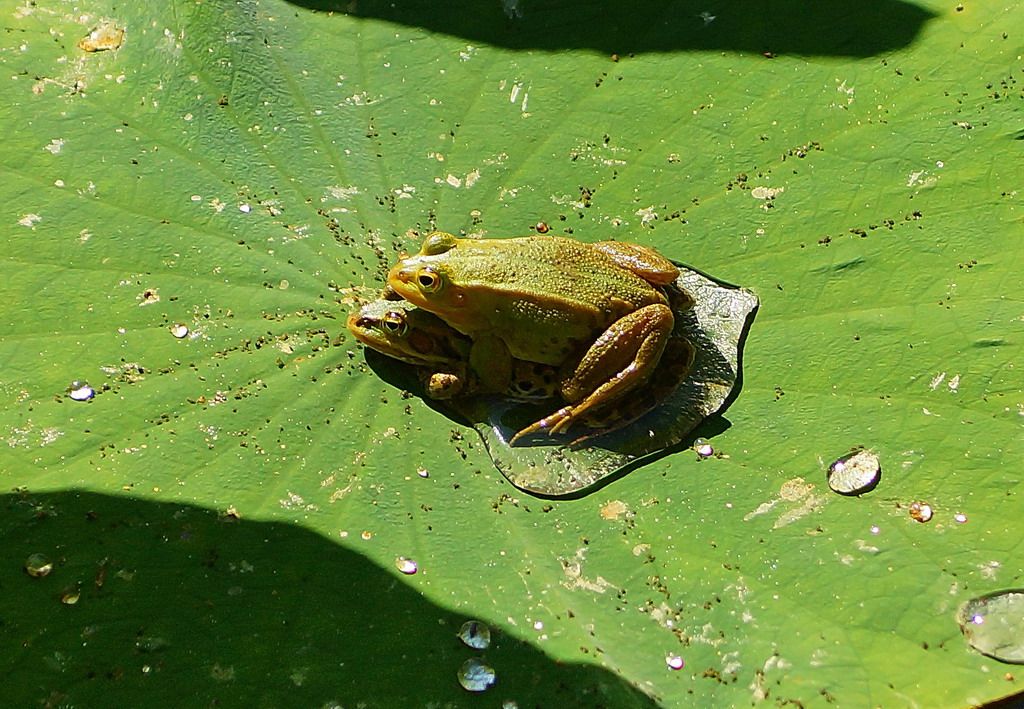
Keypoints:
pixel 407 333
pixel 599 312
pixel 402 331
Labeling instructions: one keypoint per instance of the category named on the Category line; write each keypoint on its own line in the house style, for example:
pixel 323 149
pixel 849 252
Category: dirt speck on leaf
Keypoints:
pixel 102 38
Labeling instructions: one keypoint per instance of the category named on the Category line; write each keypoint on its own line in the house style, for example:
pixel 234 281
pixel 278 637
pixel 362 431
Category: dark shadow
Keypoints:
pixel 775 27
pixel 157 604
pixel 1014 701
pixel 403 376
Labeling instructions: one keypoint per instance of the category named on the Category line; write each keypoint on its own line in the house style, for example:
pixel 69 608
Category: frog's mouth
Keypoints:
pixel 440 298
pixel 401 281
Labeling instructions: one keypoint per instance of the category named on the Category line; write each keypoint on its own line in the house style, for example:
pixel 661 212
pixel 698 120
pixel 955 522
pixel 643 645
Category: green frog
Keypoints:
pixel 440 353
pixel 598 312
pixel 405 332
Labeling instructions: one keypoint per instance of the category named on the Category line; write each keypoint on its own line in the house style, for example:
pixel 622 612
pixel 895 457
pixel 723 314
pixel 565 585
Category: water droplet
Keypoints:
pixel 70 596
pixel 921 511
pixel 475 634
pixel 81 391
pixel 179 330
pixel 366 536
pixel 703 447
pixel 423 472
pixel 406 566
pixel 38 565
pixel 475 676
pixel 509 704
pixel 960 517
pixel 674 662
pixel 855 473
pixel 244 208
pixel 994 625
pixel 283 285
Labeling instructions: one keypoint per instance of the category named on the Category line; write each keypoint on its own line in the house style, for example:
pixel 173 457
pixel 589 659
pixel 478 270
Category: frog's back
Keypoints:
pixel 546 297
pixel 552 272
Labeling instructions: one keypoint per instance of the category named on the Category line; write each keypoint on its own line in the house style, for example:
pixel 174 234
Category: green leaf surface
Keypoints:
pixel 227 511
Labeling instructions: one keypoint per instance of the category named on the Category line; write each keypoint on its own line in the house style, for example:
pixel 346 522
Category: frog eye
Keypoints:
pixel 428 280
pixel 394 323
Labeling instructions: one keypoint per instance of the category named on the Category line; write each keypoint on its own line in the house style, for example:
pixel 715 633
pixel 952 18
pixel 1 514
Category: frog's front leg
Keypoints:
pixel 621 359
pixel 446 385
pixel 491 362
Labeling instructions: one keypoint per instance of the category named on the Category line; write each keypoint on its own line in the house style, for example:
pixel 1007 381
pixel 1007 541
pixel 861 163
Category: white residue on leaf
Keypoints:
pixel 30 220
pixel 574 578
pixel 921 178
pixel 936 380
pixel 466 54
pixel 797 498
pixel 54 146
pixel 954 383
pixel 172 41
pixel 405 192
pixel 847 91
pixel 29 436
pixel 48 435
pixel 339 192
pixel 515 92
pixel 296 232
pixel 295 501
pixel 599 153
pixel 614 509
pixel 567 200
pixel 988 570
pixel 760 686
pixel 360 99
pixel 455 181
pixel 865 547
pixel 766 192
pixel 647 215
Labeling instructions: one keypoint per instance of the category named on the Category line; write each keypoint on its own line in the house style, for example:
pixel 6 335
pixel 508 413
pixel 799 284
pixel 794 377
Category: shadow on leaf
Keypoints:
pixel 819 28
pixel 174 605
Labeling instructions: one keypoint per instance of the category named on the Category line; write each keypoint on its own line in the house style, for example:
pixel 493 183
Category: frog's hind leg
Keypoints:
pixel 641 260
pixel 672 371
pixel 621 359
